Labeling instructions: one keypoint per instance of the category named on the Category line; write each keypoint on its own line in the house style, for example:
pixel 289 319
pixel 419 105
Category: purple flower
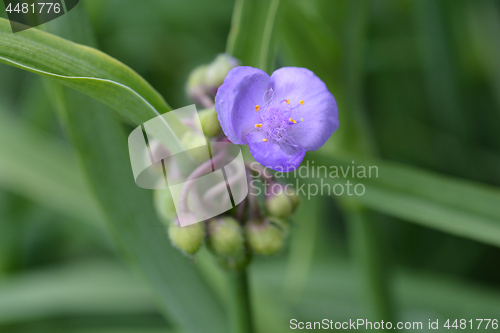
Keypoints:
pixel 279 117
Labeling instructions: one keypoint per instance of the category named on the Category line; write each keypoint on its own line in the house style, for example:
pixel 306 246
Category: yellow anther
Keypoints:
pixel 287 101
pixel 257 108
pixel 301 102
pixel 293 121
pixel 301 119
pixel 265 140
pixel 258 125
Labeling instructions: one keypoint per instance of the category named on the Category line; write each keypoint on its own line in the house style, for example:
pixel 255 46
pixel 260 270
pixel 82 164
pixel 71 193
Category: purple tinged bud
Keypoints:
pixel 204 80
pixel 196 87
pixel 218 69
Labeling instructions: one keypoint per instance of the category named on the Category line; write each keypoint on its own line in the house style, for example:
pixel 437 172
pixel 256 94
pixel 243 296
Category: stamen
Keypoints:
pixel 258 125
pixel 265 140
pixel 257 108
pixel 293 121
pixel 301 102
pixel 287 101
pixel 301 119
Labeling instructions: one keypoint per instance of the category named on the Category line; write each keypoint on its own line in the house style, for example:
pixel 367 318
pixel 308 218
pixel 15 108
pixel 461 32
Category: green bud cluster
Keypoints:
pixel 256 227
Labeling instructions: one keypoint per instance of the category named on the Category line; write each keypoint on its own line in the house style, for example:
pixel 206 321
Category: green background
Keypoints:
pixel 418 89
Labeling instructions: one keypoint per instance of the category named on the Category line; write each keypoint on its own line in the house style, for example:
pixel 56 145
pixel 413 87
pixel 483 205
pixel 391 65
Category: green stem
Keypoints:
pixel 241 312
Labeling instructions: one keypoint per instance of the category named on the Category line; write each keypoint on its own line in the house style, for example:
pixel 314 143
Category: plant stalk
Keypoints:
pixel 240 308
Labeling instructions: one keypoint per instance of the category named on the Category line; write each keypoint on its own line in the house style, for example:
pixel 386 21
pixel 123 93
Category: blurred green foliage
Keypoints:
pixel 418 87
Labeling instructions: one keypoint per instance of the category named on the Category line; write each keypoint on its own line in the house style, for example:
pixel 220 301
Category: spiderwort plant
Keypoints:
pixel 279 117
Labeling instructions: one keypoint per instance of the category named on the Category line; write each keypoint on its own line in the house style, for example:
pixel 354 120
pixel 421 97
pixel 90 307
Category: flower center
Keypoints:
pixel 277 120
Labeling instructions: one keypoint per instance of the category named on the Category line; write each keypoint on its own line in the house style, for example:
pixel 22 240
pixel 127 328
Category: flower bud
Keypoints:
pixel 204 80
pixel 196 82
pixel 279 205
pixel 209 122
pixel 267 237
pixel 218 69
pixel 164 205
pixel 225 237
pixel 188 239
pixel 282 203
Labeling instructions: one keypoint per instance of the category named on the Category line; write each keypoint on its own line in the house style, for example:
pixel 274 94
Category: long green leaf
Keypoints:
pixel 333 287
pixel 252 31
pixel 87 70
pixel 102 291
pixel 456 206
pixel 96 287
pixel 42 168
pixel 102 146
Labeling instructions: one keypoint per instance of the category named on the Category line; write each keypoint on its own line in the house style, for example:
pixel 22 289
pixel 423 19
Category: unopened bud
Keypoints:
pixel 209 122
pixel 281 203
pixel 267 237
pixel 204 80
pixel 164 205
pixel 225 237
pixel 189 238
pixel 218 69
pixel 196 81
